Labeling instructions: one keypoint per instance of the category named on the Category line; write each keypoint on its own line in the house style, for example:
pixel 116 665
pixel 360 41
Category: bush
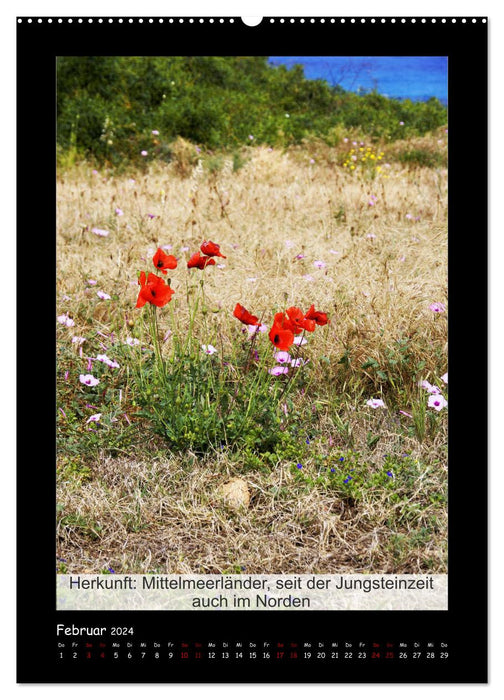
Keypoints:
pixel 112 108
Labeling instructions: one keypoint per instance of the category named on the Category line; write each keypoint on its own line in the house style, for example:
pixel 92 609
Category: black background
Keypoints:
pixel 464 626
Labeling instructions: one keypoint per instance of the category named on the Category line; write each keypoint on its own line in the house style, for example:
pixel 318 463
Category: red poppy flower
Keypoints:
pixel 154 290
pixel 245 317
pixel 280 337
pixel 163 261
pixel 209 248
pixel 284 322
pixel 319 317
pixel 300 320
pixel 199 261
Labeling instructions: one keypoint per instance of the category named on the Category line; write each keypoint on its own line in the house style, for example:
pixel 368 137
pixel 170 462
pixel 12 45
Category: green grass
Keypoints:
pixel 140 488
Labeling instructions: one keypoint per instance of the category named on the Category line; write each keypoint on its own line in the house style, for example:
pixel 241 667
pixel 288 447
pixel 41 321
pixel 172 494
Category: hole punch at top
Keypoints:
pixel 251 21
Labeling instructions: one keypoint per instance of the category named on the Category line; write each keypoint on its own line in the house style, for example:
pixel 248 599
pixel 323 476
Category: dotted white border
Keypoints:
pixel 231 20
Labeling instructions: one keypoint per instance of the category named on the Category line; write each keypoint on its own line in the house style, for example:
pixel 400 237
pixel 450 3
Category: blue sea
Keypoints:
pixel 413 77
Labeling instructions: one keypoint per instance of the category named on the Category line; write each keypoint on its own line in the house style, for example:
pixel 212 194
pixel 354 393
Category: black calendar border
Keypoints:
pixel 464 625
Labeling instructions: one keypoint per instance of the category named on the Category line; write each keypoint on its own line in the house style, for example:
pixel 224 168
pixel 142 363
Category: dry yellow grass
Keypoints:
pixel 382 272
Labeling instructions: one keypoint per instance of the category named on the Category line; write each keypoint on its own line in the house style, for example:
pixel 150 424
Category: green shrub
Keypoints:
pixel 109 106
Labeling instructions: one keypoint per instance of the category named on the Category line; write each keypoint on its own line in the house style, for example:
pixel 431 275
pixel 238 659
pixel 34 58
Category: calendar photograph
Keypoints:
pixel 252 315
pixel 257 288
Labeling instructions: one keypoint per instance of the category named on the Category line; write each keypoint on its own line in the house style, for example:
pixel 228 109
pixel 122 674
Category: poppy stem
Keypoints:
pixel 293 375
pixel 155 339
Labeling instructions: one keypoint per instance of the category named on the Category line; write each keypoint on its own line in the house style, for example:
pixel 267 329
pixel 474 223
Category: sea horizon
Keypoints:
pixel 417 78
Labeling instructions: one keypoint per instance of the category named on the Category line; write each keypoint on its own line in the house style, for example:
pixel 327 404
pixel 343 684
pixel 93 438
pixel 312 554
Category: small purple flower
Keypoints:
pixel 375 403
pixel 251 138
pixel 299 362
pixel 151 216
pixel 389 473
pixel 349 478
pixel 66 320
pixel 437 402
pixel 282 357
pixel 103 295
pixel 431 388
pixel 278 370
pixel 155 132
pixel 299 465
pixel 119 212
pixel 312 161
pixel 99 231
pixel 444 378
pixel 299 340
pixel 257 329
pixel 319 264
pixel 63 412
pixel 209 349
pixel 110 568
pixel 404 413
pixel 371 235
pixel 167 247
pixel 333 470
pixel 106 360
pixel 341 459
pixel 88 380
pixel 345 140
pixel 409 216
pixel 401 123
pixel 92 283
pixel 184 249
pixel 437 307
pixel 67 373
pixel 132 341
pixel 94 419
pixel 144 153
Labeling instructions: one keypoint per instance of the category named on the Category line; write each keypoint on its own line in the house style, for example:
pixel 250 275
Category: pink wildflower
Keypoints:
pixel 88 379
pixel 437 402
pixel 277 371
pixel 375 403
